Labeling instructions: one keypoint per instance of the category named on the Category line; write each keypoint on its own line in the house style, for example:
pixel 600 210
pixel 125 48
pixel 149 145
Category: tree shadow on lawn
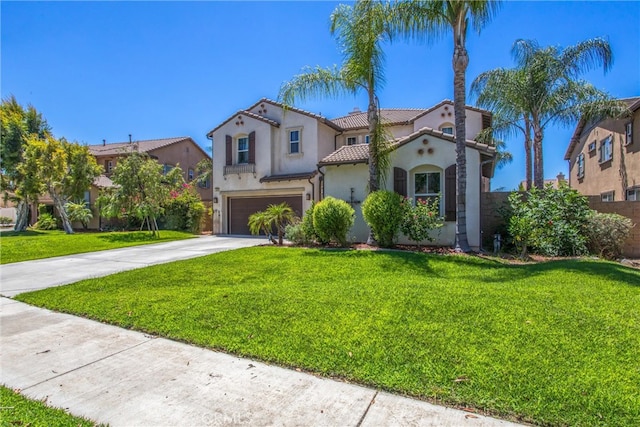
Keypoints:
pixel 605 270
pixel 136 236
pixel 11 233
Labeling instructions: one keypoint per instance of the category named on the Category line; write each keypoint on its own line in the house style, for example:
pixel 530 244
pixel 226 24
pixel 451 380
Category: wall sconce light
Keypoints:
pixel 308 196
pixel 215 200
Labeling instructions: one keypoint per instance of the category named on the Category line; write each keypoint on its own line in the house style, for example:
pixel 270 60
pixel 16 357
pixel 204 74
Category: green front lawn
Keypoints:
pixel 17 410
pixel 32 244
pixel 555 343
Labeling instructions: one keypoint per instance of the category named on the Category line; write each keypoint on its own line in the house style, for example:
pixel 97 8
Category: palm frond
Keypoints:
pixel 313 82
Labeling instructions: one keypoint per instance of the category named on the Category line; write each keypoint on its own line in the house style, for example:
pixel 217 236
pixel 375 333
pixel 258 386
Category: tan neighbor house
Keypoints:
pixel 604 157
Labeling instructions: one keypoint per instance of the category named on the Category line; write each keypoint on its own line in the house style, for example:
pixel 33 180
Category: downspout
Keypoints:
pixel 313 189
pixel 569 166
pixel 321 183
pixel 480 200
pixel 213 213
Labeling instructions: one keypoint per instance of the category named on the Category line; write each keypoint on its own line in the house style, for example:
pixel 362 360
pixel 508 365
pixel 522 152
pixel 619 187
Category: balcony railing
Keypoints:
pixel 240 169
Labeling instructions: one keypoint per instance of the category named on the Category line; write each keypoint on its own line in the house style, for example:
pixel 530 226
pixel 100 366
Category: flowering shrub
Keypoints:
pixel 383 212
pixel 550 222
pixel 607 234
pixel 183 209
pixel 420 219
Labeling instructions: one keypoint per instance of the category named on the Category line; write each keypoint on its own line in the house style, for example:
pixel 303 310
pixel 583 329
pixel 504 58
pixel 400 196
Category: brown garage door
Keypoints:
pixel 240 208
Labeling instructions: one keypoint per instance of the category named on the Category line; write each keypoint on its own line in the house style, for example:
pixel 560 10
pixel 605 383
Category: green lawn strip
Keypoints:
pixel 555 343
pixel 17 410
pixel 29 245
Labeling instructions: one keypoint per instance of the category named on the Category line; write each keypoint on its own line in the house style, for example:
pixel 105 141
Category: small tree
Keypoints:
pixel 277 216
pixel 420 219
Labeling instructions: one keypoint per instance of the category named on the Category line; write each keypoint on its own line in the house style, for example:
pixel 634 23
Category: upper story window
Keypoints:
pixel 294 141
pixel 366 139
pixel 108 166
pixel 592 146
pixel 580 165
pixel 606 149
pixel 243 150
pixel 447 128
pixel 190 175
pixel 166 168
pixel 352 140
pixel 426 186
pixel 205 184
pixel 628 133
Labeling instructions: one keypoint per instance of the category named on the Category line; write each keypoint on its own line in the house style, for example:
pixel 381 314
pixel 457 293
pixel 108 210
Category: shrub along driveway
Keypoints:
pixel 552 343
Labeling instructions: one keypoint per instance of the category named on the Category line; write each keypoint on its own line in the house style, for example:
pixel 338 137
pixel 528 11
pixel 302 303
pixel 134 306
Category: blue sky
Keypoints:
pixel 103 70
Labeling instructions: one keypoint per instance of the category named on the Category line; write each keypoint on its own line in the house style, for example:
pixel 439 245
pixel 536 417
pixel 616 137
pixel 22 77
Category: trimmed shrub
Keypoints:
pixel 308 231
pixel 293 233
pixel 606 234
pixel 418 221
pixel 332 219
pixel 383 212
pixel 183 210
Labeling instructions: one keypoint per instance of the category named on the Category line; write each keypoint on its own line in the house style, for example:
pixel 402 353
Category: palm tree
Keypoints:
pixel 277 216
pixel 432 19
pixel 503 92
pixel 545 88
pixel 361 30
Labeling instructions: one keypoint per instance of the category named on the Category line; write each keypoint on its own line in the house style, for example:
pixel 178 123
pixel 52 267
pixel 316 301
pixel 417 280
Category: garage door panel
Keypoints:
pixel 240 208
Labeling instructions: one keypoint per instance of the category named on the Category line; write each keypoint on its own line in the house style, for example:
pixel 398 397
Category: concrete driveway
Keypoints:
pixel 28 276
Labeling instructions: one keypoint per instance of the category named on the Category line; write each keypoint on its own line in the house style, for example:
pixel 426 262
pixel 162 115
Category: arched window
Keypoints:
pixel 447 128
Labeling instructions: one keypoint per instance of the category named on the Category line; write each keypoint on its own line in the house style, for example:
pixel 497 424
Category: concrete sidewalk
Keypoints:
pixel 127 378
pixel 44 273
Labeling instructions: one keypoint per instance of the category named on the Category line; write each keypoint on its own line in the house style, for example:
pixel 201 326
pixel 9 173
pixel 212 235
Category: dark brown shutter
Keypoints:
pixel 400 181
pixel 252 148
pixel 229 150
pixel 450 193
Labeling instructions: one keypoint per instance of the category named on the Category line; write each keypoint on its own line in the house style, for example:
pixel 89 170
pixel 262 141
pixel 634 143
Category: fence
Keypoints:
pixel 492 220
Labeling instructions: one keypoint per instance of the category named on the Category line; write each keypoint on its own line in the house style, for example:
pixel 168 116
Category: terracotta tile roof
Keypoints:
pixel 297 110
pixel 347 154
pixel 245 113
pixel 118 148
pixel 390 116
pixel 289 177
pixel 359 153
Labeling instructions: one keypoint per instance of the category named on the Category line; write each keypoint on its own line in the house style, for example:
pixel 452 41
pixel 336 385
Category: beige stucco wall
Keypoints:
pixel 445 115
pixel 408 158
pixel 608 176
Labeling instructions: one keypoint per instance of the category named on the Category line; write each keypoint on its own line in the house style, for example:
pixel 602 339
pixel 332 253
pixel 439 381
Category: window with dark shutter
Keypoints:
pixel 229 150
pixel 252 148
pixel 400 181
pixel 450 193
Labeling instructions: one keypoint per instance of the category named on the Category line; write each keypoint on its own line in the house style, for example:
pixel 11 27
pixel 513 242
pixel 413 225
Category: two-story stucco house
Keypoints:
pixel 268 154
pixel 604 156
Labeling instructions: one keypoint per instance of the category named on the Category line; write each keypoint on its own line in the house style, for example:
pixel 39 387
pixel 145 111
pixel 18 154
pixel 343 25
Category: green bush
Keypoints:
pixel 293 233
pixel 79 212
pixel 308 231
pixel 606 234
pixel 5 220
pixel 551 221
pixel 46 221
pixel 332 219
pixel 383 211
pixel 183 210
pixel 418 221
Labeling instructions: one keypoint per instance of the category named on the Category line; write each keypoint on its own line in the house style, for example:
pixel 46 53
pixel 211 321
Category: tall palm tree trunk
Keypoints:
pixel 538 171
pixel 374 146
pixel 527 153
pixel 460 62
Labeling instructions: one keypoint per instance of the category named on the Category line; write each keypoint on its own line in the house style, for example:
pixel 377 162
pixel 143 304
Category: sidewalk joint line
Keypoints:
pixel 90 363
pixel 366 411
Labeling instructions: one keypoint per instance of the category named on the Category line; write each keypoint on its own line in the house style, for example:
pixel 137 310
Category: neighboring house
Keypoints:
pixel 604 157
pixel 266 154
pixel 169 152
pixel 555 182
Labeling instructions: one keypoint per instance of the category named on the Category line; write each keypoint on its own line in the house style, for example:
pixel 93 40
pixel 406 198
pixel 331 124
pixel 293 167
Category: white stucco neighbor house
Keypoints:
pixel 268 154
